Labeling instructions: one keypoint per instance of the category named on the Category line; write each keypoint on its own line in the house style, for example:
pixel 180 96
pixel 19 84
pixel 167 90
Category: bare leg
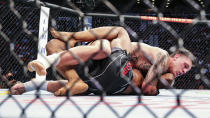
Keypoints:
pixel 67 58
pixel 85 52
pixel 118 36
pixel 75 84
pixel 56 46
pixel 52 86
pixel 108 32
pixel 88 35
pixel 53 46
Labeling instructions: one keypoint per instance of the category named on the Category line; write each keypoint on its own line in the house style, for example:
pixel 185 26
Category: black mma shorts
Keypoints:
pixel 112 73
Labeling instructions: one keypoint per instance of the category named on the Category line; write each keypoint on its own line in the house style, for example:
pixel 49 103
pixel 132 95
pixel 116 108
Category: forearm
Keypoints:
pixel 151 86
pixel 166 80
pixel 151 77
pixel 150 83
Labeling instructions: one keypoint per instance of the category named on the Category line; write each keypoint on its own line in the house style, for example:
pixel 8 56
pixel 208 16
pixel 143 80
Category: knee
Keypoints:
pixel 54 46
pixel 104 49
pixel 119 29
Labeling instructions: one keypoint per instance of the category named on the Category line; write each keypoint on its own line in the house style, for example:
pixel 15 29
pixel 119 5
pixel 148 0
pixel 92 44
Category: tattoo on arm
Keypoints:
pixel 157 69
pixel 145 66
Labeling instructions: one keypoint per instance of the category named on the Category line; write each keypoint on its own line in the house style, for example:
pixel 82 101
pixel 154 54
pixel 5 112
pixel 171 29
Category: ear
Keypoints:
pixel 176 56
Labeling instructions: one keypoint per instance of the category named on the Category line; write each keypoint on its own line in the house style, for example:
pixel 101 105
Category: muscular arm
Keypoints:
pixel 117 36
pixel 138 79
pixel 149 86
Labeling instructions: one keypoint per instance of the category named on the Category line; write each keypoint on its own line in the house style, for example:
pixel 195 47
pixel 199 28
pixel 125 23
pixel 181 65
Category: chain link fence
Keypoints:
pixel 19 42
pixel 25 46
pixel 196 39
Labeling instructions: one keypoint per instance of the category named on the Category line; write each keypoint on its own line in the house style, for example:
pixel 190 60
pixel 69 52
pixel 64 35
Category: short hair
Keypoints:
pixel 186 53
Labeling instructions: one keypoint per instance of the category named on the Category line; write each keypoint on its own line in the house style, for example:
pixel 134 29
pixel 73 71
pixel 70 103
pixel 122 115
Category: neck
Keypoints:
pixel 170 63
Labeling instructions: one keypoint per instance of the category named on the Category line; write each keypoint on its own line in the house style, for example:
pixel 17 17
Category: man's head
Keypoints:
pixel 181 62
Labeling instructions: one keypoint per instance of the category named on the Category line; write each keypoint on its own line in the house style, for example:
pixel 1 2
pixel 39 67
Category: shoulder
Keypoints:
pixel 163 52
pixel 162 59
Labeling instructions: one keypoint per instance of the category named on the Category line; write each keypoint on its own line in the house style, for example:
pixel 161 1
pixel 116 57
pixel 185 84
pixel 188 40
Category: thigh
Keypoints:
pixel 124 44
pixel 103 47
pixel 101 43
pixel 55 46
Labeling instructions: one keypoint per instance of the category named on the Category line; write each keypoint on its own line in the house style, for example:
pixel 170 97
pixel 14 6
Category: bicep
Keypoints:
pixel 160 66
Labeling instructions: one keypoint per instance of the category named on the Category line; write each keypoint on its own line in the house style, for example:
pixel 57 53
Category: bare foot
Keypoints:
pixel 65 36
pixel 61 92
pixel 54 86
pixel 72 88
pixel 18 89
pixel 38 67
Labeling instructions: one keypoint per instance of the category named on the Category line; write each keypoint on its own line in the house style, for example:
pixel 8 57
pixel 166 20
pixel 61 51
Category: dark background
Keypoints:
pixel 131 6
